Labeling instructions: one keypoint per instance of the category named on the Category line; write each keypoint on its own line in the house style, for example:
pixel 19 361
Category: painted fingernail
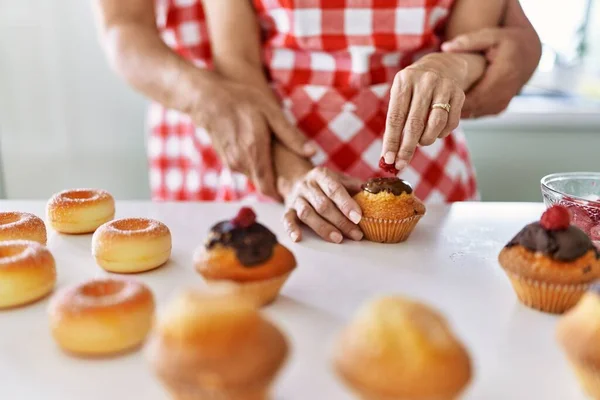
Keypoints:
pixel 295 236
pixel 335 237
pixel 400 165
pixel 389 157
pixel 356 234
pixel 355 217
pixel 309 148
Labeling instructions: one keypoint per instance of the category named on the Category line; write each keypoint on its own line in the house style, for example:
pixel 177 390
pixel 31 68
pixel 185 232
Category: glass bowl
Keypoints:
pixel 580 193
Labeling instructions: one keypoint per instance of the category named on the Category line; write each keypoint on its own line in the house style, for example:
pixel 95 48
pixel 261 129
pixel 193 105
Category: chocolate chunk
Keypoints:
pixel 562 245
pixel 253 245
pixel 396 186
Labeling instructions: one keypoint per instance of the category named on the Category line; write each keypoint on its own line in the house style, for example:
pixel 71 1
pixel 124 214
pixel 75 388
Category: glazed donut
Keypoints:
pixel 27 272
pixel 80 210
pixel 22 226
pixel 101 317
pixel 131 245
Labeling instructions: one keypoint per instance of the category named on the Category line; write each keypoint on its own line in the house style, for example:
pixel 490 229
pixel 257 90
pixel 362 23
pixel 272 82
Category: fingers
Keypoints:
pixel 480 40
pixel 438 118
pixel 291 226
pixel 325 207
pixel 289 135
pixel 309 216
pixel 259 164
pixel 400 98
pixel 456 103
pixel 415 125
pixel 334 189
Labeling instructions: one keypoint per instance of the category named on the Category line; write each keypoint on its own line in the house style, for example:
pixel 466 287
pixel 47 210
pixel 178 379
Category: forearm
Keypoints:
pixel 137 53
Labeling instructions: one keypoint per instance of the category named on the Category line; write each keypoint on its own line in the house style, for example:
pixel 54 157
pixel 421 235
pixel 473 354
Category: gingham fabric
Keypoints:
pixel 331 63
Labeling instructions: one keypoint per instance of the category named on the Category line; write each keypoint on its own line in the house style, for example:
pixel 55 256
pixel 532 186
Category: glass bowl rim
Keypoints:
pixel 566 175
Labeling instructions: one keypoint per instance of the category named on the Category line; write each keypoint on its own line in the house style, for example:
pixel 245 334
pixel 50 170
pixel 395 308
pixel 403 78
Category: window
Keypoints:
pixel 562 26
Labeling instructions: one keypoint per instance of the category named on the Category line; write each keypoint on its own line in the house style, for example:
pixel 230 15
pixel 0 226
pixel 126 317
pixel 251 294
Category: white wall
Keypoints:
pixel 67 121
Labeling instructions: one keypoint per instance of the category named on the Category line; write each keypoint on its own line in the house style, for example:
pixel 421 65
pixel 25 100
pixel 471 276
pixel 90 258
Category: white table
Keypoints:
pixel 449 262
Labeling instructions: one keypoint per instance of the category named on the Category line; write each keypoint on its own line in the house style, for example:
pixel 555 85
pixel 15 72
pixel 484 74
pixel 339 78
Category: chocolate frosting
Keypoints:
pixel 252 245
pixel 562 245
pixel 394 185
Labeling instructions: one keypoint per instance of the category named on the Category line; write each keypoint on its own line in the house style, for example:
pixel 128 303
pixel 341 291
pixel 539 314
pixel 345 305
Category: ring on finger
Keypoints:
pixel 442 106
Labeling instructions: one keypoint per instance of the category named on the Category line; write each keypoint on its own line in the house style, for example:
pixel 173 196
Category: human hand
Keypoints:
pixel 321 199
pixel 240 120
pixel 513 55
pixel 411 120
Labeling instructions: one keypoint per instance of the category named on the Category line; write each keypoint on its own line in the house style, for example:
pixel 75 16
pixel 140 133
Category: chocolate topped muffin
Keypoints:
pixel 551 263
pixel 395 186
pixel 390 210
pixel 246 255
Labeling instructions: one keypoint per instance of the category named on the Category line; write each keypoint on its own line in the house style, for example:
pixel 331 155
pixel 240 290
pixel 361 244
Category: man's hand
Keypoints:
pixel 241 120
pixel 513 53
pixel 513 56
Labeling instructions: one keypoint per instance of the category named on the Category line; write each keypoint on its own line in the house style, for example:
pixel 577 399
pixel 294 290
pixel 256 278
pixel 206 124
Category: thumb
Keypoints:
pixel 352 184
pixel 288 134
pixel 480 40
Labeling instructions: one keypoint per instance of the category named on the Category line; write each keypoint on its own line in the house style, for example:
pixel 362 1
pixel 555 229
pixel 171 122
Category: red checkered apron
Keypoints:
pixel 331 62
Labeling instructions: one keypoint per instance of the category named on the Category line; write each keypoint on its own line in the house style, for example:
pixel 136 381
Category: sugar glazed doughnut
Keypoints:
pixel 131 245
pixel 80 210
pixel 101 317
pixel 27 272
pixel 22 226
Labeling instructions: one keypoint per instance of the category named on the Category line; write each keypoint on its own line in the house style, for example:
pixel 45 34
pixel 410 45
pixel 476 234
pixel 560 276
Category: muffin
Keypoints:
pixel 398 349
pixel 213 346
pixel 245 255
pixel 551 263
pixel 390 210
pixel 578 333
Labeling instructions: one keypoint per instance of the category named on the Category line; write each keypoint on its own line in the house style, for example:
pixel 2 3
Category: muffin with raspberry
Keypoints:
pixel 245 255
pixel 551 263
pixel 390 210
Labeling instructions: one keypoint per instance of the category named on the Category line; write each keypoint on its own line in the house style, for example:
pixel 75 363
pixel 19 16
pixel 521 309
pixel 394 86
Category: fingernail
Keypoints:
pixel 294 236
pixel 309 148
pixel 389 157
pixel 400 165
pixel 355 217
pixel 356 234
pixel 335 237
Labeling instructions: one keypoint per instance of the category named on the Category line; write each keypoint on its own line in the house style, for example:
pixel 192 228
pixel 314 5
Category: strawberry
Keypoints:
pixel 387 167
pixel 244 218
pixel 556 218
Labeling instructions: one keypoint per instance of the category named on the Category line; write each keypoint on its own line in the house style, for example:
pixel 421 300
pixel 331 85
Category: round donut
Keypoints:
pixel 80 210
pixel 131 245
pixel 101 317
pixel 27 272
pixel 22 226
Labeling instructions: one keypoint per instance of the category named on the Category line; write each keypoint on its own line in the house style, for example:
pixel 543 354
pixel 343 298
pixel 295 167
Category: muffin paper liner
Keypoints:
pixel 259 293
pixel 589 377
pixel 388 230
pixel 547 297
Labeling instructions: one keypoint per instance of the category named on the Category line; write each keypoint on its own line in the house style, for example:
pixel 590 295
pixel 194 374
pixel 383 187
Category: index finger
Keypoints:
pixel 336 191
pixel 288 134
pixel 400 98
pixel 261 171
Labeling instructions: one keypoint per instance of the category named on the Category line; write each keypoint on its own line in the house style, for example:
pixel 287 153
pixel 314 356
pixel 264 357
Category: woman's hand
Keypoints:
pixel 240 120
pixel 321 199
pixel 410 120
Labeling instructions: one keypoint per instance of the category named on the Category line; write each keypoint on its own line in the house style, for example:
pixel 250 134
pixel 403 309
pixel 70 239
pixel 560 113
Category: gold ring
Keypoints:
pixel 441 106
